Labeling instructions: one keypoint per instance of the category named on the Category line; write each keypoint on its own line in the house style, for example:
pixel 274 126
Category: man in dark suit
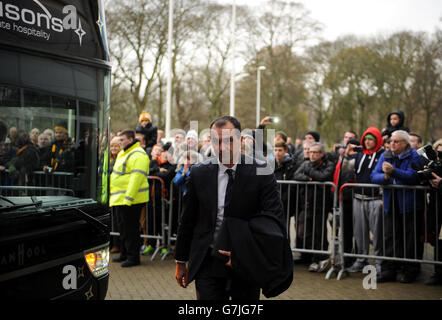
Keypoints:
pixel 230 184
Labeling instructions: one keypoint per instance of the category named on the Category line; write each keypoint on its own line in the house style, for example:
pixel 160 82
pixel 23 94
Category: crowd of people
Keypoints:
pixel 384 218
pixel 396 222
pixel 48 158
pixel 46 150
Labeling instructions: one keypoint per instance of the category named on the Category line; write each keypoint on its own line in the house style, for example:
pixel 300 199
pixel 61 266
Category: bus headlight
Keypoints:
pixel 98 261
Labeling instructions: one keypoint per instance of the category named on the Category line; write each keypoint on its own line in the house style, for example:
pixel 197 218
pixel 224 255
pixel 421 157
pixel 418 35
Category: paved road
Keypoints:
pixel 154 280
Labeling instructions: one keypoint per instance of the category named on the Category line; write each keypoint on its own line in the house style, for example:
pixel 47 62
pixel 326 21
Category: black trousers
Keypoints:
pixel 215 281
pixel 312 232
pixel 115 240
pixel 129 218
pixel 402 239
pixel 154 219
pixel 348 227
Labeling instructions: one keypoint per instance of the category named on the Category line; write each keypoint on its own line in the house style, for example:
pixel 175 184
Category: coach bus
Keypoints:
pixel 54 126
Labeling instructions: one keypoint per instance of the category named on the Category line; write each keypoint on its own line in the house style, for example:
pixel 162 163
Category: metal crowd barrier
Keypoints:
pixel 154 215
pixel 421 220
pixel 312 210
pixel 39 183
pixel 317 211
pixel 175 204
pixel 322 243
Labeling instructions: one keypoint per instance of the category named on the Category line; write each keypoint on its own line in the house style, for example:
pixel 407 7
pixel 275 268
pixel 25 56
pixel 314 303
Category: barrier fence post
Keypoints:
pixel 336 255
pixel 168 226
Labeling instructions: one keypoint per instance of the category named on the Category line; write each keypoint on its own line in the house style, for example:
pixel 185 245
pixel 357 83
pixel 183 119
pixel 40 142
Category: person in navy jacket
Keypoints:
pixel 402 207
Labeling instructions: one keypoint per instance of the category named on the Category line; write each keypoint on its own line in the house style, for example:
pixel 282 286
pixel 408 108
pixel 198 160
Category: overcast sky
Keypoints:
pixel 369 17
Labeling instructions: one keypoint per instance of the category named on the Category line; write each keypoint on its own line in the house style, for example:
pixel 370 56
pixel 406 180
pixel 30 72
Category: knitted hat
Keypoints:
pixel 246 135
pixel 167 146
pixel 145 116
pixel 314 134
pixel 370 136
pixel 192 134
pixel 61 127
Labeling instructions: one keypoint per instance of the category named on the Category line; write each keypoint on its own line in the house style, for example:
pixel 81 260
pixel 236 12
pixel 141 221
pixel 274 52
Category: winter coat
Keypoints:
pixel 320 171
pixel 285 171
pixel 180 180
pixel 61 157
pixel 345 173
pixel 260 251
pixel 27 160
pixel 403 174
pixel 45 153
pixel 150 133
pixel 366 162
pixel 128 181
pixel 166 176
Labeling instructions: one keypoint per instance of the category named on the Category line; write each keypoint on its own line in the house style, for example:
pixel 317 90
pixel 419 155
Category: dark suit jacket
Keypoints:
pixel 252 195
pixel 261 252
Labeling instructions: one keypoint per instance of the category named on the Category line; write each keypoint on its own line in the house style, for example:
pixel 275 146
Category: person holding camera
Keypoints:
pixel 436 183
pixel 367 207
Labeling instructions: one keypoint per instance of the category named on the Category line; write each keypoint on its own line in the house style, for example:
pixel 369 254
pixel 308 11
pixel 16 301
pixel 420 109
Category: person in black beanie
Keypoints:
pixel 309 135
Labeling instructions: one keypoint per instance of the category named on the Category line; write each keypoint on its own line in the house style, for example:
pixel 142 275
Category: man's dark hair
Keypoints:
pixel 129 133
pixel 351 131
pixel 23 139
pixel 282 135
pixel 142 136
pixel 281 144
pixel 419 138
pixel 222 121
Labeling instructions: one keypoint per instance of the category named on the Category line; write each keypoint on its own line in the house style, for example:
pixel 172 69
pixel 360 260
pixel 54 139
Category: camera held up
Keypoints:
pixel 434 163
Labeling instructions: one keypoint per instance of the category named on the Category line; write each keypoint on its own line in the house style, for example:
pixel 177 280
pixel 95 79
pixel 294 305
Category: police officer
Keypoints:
pixel 129 192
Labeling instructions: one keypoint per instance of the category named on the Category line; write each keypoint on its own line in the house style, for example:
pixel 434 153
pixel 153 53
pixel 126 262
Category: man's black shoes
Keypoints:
pixel 125 263
pixel 435 279
pixel 407 278
pixel 128 263
pixel 118 259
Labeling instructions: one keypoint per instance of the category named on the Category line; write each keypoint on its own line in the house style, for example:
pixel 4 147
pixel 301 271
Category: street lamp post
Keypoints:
pixel 258 93
pixel 169 74
pixel 232 76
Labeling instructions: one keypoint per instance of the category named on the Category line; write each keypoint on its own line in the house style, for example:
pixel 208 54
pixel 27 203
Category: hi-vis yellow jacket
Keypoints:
pixel 128 181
